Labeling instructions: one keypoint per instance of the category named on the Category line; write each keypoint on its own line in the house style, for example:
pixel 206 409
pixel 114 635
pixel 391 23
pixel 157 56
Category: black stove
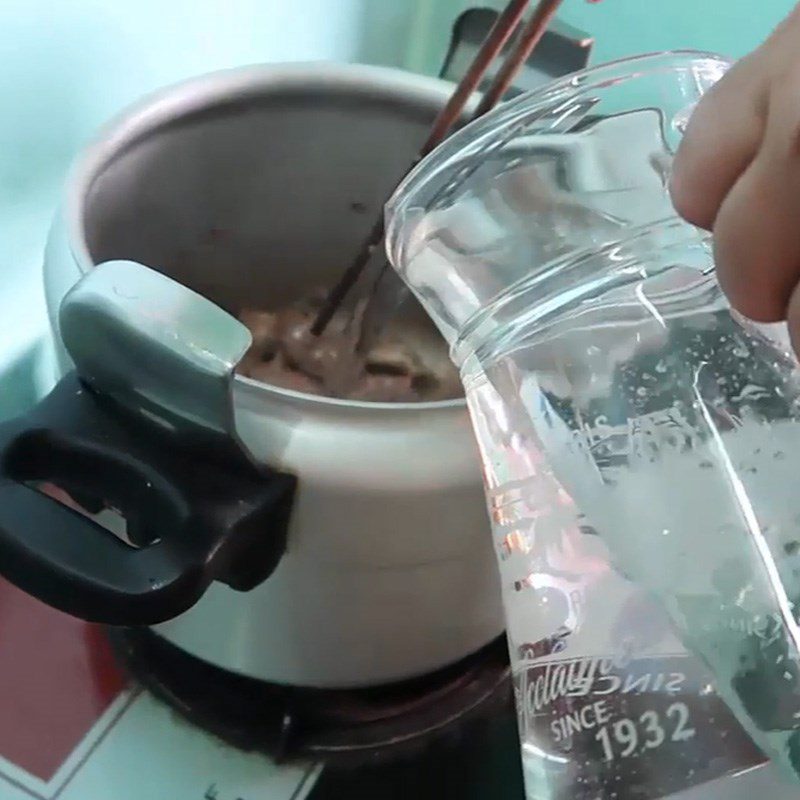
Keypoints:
pixel 346 728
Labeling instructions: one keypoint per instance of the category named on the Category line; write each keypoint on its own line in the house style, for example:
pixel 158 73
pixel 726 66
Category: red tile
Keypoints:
pixel 57 677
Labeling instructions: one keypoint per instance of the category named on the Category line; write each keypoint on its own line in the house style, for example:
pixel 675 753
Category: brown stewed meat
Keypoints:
pixel 399 368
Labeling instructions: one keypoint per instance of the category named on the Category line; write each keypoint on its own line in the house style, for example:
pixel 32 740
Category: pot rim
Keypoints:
pixel 174 102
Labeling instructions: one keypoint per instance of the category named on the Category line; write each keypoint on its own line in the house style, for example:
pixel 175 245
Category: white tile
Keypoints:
pixel 151 754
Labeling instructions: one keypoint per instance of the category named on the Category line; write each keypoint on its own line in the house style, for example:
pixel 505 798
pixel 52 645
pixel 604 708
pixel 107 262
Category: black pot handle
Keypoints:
pixel 144 426
pixel 196 506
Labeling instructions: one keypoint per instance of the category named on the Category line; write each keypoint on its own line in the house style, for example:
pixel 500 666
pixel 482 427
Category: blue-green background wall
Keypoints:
pixel 729 27
pixel 620 27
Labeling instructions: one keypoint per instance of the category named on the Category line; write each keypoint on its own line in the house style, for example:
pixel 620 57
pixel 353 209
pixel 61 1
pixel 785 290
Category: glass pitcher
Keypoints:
pixel 637 439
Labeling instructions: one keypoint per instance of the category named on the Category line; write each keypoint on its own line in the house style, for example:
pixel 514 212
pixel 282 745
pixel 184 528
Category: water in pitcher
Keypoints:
pixel 648 639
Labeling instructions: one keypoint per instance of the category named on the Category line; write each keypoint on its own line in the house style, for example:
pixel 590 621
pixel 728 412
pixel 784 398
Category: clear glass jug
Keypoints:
pixel 637 439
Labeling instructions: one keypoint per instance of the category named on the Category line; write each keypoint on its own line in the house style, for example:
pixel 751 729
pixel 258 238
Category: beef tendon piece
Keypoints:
pixel 277 372
pixel 392 358
pixel 263 327
pixel 385 389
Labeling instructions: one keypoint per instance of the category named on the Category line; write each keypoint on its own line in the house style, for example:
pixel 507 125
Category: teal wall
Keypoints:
pixel 623 27
pixel 620 27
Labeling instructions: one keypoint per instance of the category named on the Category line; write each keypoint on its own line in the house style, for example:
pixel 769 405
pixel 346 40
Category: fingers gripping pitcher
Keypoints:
pixel 637 436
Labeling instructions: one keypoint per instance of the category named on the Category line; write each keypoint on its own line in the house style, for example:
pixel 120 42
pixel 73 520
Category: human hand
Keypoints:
pixel 737 173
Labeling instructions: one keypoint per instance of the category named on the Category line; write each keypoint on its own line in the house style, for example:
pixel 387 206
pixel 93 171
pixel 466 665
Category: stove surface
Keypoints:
pixel 72 727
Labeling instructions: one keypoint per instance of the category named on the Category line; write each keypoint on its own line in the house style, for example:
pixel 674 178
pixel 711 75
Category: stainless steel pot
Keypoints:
pixel 252 186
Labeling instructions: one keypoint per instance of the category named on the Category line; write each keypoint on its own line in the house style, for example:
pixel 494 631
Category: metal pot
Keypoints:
pixel 255 185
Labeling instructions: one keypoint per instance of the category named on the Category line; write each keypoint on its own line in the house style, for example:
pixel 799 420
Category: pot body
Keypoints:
pixel 253 186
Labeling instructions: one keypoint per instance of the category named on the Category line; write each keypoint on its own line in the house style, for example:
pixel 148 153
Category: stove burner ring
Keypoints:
pixel 348 727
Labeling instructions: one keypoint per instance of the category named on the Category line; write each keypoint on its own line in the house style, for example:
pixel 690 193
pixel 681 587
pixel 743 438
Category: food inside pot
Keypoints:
pixel 407 363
